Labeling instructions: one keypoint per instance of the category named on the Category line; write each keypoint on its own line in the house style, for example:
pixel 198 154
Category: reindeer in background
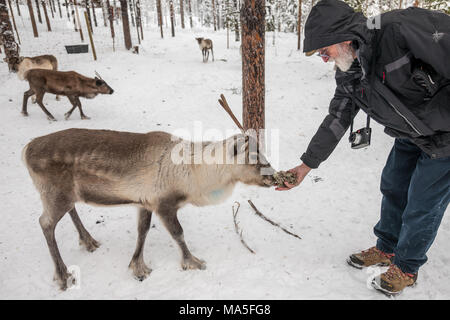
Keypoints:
pixel 205 45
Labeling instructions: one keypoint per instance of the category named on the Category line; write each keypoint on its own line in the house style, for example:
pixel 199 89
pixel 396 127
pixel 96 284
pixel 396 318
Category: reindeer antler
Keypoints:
pixel 96 73
pixel 223 102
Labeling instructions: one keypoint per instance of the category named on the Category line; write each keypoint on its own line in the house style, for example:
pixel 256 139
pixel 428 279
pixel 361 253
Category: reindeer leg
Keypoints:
pixel 39 98
pixel 26 95
pixel 212 52
pixel 207 55
pixel 137 264
pixel 168 213
pixel 55 207
pixel 82 115
pixel 86 239
pixel 74 105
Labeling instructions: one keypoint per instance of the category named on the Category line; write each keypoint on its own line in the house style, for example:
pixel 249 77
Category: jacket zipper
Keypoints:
pixel 407 121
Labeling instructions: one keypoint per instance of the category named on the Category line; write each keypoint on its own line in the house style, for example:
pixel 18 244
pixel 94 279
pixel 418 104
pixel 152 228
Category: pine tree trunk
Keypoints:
pixel 38 9
pixel 59 8
pixel 93 15
pixel 172 25
pixel 125 24
pixel 50 2
pixel 111 20
pixel 253 64
pixel 190 14
pixel 139 17
pixel 33 20
pixel 158 4
pixel 104 12
pixel 214 14
pixel 299 24
pixel 236 22
pixel 182 13
pixel 47 20
pixel 7 35
pixel 13 20
pixel 18 8
pixel 67 10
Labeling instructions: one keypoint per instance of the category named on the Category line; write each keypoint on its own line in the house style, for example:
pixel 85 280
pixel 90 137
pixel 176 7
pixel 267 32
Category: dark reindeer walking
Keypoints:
pixel 205 45
pixel 70 84
pixel 105 167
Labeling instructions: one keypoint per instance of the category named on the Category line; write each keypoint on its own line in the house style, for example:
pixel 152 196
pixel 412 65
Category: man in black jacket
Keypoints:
pixel 396 68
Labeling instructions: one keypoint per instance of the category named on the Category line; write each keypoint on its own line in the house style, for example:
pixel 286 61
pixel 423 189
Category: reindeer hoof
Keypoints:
pixel 65 281
pixel 90 244
pixel 51 118
pixel 140 270
pixel 66 116
pixel 193 263
pixel 25 114
pixel 85 118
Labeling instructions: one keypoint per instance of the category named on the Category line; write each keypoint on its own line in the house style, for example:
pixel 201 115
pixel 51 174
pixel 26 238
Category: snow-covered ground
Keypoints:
pixel 167 87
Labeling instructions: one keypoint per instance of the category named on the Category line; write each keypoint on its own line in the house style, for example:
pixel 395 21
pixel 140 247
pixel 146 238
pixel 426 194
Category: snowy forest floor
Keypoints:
pixel 167 87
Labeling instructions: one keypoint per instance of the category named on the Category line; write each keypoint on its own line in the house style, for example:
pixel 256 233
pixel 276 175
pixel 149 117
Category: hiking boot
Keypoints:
pixel 393 281
pixel 370 257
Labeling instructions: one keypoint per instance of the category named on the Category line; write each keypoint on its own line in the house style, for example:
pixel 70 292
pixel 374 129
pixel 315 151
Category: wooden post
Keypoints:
pixel 299 24
pixel 253 65
pixel 38 9
pixel 89 28
pixel 78 20
pixel 172 18
pixel 13 20
pixel 47 20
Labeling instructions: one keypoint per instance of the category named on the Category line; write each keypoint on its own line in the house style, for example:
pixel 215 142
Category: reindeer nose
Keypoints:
pixel 111 92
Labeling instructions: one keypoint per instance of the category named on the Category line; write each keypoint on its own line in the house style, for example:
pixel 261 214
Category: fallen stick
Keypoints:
pixel 236 227
pixel 259 214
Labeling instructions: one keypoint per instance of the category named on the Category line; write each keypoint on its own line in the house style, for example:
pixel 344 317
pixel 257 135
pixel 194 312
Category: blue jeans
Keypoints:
pixel 416 193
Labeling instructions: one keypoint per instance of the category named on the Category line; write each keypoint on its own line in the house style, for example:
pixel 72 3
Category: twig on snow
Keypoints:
pixel 259 214
pixel 236 226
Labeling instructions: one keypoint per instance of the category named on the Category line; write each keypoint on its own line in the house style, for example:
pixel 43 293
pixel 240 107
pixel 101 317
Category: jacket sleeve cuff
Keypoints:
pixel 310 161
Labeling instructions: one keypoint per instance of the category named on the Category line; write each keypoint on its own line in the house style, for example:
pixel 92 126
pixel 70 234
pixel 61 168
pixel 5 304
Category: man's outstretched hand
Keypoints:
pixel 301 171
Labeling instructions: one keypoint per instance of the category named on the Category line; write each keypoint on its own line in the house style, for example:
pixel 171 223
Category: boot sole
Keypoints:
pixel 388 293
pixel 360 267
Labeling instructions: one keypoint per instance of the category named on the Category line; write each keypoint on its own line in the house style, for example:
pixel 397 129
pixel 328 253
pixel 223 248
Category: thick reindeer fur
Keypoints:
pixel 102 167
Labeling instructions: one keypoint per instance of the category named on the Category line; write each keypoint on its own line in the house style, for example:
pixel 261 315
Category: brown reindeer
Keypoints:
pixel 70 84
pixel 103 167
pixel 205 45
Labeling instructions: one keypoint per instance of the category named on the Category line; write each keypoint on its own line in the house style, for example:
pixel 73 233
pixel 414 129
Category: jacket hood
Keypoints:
pixel 331 22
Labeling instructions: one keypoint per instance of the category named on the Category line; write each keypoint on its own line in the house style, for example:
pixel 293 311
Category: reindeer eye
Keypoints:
pixel 98 83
